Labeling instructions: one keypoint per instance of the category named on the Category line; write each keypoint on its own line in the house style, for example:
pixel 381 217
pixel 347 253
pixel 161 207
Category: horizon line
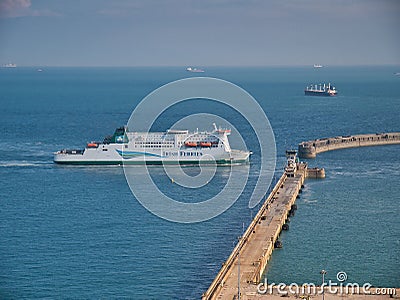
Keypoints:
pixel 2 66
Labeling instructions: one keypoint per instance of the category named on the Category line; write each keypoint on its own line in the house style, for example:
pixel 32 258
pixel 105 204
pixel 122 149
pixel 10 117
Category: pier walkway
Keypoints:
pixel 310 149
pixel 251 254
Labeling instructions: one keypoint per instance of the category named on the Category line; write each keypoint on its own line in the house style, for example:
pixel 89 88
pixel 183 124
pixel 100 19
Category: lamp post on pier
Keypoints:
pixel 323 272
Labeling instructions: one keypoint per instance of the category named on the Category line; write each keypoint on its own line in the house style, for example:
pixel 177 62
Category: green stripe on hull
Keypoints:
pixel 194 162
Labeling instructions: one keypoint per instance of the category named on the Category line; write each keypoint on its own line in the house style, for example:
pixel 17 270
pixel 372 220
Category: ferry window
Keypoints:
pixel 126 146
pixel 104 149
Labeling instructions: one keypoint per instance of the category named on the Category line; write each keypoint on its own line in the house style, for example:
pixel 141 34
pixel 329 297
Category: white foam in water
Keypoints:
pixel 21 163
pixel 310 201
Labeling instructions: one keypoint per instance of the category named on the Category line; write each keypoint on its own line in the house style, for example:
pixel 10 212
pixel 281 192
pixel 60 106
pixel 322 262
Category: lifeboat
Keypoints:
pixel 190 144
pixel 227 131
pixel 205 144
pixel 92 145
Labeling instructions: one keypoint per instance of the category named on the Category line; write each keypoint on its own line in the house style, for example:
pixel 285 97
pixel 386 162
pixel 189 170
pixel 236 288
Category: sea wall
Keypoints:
pixel 255 247
pixel 310 149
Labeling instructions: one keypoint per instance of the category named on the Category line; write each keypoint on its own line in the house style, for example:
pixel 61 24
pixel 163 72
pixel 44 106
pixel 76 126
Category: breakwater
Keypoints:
pixel 310 149
pixel 243 269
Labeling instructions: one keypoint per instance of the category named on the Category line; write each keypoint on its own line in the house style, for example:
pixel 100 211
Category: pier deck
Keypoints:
pixel 251 254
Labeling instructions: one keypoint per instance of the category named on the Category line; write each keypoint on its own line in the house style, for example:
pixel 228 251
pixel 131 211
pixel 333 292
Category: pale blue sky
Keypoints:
pixel 199 32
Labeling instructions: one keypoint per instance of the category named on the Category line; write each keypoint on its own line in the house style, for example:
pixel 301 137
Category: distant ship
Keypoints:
pixel 194 70
pixel 9 66
pixel 321 90
pixel 170 147
pixel 317 66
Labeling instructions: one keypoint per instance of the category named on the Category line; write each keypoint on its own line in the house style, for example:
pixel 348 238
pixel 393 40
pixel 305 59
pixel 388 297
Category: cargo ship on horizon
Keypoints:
pixel 326 90
pixel 9 65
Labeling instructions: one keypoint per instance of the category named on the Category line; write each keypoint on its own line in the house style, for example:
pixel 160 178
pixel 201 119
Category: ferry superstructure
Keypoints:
pixel 170 147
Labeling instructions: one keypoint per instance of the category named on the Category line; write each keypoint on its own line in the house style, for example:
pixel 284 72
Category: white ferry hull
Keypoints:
pixel 115 156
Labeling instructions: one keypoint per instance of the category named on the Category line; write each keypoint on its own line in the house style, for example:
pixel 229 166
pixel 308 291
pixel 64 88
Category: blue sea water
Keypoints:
pixel 78 232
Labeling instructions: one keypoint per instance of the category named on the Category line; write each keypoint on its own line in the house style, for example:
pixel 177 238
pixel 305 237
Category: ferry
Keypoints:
pixel 317 66
pixel 194 70
pixel 169 147
pixel 321 90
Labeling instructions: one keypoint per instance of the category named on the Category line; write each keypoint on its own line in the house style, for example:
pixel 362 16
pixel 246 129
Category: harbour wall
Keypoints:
pixel 246 264
pixel 310 149
pixel 241 274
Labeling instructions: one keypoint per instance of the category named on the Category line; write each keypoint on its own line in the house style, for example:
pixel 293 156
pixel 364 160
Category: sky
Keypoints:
pixel 199 32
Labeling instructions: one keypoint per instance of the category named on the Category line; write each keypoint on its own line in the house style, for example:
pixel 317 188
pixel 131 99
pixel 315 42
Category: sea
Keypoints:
pixel 77 232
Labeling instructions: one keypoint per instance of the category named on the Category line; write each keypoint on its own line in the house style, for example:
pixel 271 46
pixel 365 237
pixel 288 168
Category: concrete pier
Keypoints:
pixel 310 149
pixel 244 267
pixel 240 275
